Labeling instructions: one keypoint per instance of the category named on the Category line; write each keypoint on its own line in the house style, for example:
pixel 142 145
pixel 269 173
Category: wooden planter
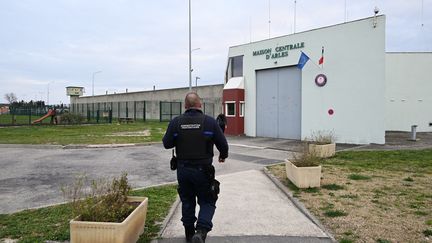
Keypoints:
pixel 127 231
pixel 323 151
pixel 303 177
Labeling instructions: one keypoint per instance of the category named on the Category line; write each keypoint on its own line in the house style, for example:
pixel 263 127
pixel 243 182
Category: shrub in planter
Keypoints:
pixel 306 158
pixel 304 170
pixel 322 137
pixel 104 209
pixel 322 144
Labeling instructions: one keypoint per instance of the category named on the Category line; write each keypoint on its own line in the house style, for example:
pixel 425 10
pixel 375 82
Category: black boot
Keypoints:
pixel 189 232
pixel 199 236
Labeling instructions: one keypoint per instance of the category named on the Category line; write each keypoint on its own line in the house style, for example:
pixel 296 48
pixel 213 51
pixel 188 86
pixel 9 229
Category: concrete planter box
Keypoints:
pixel 323 151
pixel 127 231
pixel 303 177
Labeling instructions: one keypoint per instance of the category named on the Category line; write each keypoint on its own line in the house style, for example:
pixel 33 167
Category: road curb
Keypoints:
pixel 171 212
pixel 98 146
pixel 297 203
pixel 32 146
pixel 76 146
pixel 168 218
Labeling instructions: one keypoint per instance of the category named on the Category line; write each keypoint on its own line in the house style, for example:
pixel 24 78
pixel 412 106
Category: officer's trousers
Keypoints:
pixel 195 184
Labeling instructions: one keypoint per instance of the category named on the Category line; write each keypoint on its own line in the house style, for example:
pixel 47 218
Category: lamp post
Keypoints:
pixel 269 20
pixel 190 51
pixel 94 73
pixel 41 95
pixel 48 93
pixel 191 69
pixel 295 15
pixel 196 81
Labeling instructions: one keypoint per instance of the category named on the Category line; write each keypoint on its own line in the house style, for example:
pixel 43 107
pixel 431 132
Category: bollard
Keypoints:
pixel 413 133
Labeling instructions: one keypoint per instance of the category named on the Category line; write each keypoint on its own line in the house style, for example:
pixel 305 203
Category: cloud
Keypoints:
pixel 138 44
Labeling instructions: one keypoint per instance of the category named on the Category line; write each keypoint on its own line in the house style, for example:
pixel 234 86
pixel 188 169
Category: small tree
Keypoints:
pixel 11 98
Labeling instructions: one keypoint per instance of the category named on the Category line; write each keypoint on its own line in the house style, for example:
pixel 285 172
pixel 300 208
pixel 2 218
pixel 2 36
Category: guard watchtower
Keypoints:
pixel 74 92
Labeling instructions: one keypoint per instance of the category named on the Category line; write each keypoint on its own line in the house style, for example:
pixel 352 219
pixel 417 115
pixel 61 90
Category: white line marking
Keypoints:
pixel 246 146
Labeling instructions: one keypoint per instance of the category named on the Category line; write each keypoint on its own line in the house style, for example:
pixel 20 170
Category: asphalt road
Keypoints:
pixel 33 177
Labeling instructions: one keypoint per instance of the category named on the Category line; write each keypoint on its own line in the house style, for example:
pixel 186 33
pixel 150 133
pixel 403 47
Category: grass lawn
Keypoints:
pixel 138 132
pixel 52 223
pixel 373 196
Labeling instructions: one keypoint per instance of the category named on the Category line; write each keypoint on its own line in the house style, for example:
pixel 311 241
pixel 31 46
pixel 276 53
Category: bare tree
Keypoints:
pixel 10 97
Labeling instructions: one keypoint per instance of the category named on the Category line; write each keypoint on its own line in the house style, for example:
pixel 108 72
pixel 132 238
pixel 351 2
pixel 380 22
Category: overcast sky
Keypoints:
pixel 51 44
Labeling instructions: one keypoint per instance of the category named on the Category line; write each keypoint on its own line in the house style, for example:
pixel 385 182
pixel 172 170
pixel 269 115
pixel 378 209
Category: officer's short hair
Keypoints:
pixel 192 100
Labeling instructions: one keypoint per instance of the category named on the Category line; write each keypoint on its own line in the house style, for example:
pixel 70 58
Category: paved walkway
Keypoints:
pixel 251 208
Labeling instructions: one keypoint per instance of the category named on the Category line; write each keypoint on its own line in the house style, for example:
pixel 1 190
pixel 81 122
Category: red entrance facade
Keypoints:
pixel 234 106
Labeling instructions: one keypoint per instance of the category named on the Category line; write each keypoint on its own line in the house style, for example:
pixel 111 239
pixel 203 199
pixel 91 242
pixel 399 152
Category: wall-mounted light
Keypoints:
pixel 376 11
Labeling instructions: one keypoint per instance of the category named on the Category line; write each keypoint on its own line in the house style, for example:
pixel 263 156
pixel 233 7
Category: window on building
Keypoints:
pixel 237 66
pixel 230 108
pixel 242 108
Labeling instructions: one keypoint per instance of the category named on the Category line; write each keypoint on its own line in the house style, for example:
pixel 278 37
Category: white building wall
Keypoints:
pixel 408 91
pixel 355 67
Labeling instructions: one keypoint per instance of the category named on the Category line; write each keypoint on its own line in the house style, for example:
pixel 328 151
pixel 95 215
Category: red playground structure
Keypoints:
pixel 51 113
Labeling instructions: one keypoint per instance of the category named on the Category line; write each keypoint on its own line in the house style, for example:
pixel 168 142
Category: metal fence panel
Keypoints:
pixel 130 111
pixel 122 112
pixel 152 110
pixel 165 111
pixel 84 109
pixel 169 110
pixel 175 109
pixel 140 110
pixel 115 111
pixel 209 109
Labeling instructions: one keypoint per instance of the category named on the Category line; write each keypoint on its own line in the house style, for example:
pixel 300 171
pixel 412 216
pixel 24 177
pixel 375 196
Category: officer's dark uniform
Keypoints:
pixel 193 134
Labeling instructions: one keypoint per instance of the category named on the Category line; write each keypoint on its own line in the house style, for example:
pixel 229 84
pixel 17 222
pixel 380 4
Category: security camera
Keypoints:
pixel 376 10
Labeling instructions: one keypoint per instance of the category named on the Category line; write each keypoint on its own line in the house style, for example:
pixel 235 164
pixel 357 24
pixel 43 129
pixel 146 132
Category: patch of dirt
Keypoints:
pixel 6 240
pixel 388 206
pixel 145 133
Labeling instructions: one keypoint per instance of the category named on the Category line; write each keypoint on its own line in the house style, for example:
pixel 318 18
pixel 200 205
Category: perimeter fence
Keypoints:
pixel 134 110
pixel 103 112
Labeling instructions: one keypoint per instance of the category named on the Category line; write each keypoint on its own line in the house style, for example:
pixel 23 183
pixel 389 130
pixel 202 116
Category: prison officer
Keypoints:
pixel 193 135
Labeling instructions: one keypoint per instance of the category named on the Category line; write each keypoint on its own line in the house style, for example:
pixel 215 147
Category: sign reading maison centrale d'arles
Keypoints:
pixel 279 51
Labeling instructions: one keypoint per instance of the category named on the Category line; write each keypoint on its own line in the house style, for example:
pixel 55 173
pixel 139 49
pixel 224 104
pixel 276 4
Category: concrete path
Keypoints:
pixel 251 208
